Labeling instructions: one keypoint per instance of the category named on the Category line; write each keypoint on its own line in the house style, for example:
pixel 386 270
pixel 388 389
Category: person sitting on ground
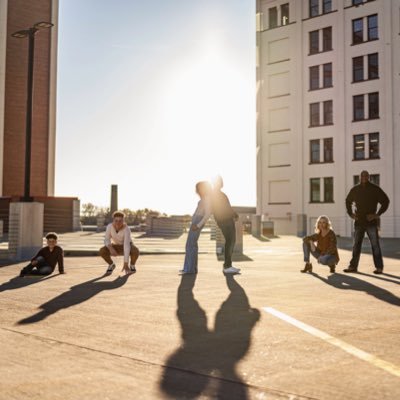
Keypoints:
pixel 322 245
pixel 118 242
pixel 46 259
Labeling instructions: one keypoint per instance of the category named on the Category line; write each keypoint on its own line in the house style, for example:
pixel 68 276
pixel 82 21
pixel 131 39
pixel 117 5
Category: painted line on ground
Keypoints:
pixel 361 354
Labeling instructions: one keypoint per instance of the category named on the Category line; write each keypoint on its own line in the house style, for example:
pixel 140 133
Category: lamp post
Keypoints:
pixel 30 33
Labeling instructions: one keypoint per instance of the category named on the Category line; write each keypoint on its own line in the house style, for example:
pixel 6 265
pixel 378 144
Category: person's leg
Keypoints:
pixel 306 251
pixel 134 256
pixel 106 255
pixel 191 254
pixel 33 269
pixel 372 232
pixel 359 233
pixel 329 260
pixel 229 231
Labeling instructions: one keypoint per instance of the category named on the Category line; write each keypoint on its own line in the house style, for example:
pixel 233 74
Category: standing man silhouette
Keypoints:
pixel 225 218
pixel 365 197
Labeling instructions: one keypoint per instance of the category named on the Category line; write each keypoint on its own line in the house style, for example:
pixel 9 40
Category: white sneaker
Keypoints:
pixel 110 268
pixel 237 269
pixel 231 270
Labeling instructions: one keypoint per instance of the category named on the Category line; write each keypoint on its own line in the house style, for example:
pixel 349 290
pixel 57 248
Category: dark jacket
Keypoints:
pixel 366 198
pixel 221 207
pixel 52 257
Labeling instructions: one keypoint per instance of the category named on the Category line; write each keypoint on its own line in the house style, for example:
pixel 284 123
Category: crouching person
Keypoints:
pixel 322 245
pixel 46 259
pixel 118 242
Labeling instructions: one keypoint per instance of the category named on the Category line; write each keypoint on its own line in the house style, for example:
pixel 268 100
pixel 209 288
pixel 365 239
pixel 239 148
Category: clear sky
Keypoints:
pixel 154 96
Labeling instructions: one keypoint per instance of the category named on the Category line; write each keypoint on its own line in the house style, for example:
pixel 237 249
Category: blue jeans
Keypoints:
pixel 192 248
pixel 326 259
pixel 372 233
pixel 41 268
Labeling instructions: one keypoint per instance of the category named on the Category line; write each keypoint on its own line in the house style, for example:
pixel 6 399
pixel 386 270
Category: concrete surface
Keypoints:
pixel 155 335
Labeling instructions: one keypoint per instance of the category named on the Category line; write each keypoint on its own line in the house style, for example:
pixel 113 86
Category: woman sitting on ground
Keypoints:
pixel 322 245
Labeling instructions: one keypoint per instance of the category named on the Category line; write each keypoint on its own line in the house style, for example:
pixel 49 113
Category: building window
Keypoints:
pixel 373 178
pixel 358 107
pixel 373 105
pixel 327 39
pixel 314 151
pixel 373 66
pixel 326 6
pixel 314 8
pixel 314 77
pixel 358 147
pixel 357 2
pixel 328 190
pixel 358 69
pixel 314 42
pixel 328 112
pixel 373 139
pixel 327 69
pixel 315 195
pixel 373 27
pixel 314 114
pixel 328 150
pixel 285 14
pixel 273 17
pixel 358 31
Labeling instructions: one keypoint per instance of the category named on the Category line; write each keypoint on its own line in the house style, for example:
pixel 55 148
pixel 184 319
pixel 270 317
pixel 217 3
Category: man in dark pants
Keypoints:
pixel 225 217
pixel 365 197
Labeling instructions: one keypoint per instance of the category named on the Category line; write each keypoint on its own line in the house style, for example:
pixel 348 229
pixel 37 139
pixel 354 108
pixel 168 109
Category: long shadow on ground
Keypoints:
pixel 205 354
pixel 349 282
pixel 75 295
pixel 18 283
pixel 390 246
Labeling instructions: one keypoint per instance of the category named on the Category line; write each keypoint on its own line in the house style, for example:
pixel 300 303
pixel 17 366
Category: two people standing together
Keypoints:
pixel 212 201
pixel 362 206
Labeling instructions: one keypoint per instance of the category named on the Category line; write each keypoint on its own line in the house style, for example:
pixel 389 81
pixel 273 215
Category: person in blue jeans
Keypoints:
pixel 322 245
pixel 361 205
pixel 199 219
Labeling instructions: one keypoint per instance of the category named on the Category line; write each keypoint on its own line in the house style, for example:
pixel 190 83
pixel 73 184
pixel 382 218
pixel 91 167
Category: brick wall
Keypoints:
pixel 21 15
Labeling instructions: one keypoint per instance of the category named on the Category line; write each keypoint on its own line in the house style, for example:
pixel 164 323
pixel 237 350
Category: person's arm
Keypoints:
pixel 107 236
pixel 38 254
pixel 349 203
pixel 384 202
pixel 332 246
pixel 313 238
pixel 60 261
pixel 127 244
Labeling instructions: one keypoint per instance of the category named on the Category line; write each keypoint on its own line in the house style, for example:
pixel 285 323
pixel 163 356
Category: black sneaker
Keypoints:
pixel 110 268
pixel 350 269
pixel 378 271
pixel 133 269
pixel 332 269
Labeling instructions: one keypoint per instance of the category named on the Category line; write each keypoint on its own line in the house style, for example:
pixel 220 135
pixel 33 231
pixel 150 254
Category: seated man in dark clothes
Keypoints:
pixel 46 259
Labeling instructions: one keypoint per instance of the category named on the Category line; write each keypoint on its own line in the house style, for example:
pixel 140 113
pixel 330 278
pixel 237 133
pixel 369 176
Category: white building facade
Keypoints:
pixel 328 107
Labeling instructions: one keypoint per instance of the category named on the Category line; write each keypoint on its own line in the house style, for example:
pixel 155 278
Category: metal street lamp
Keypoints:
pixel 30 32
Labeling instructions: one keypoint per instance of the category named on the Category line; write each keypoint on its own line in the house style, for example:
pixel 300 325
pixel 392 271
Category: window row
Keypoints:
pixel 363 30
pixel 321 113
pixel 280 15
pixel 366 146
pixel 326 155
pixel 360 111
pixel 321 190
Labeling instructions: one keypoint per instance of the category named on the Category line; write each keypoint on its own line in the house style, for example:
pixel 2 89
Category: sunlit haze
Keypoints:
pixel 154 96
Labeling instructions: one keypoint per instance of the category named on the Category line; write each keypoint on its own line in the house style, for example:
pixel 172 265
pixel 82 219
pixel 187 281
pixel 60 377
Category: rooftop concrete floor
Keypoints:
pixel 269 333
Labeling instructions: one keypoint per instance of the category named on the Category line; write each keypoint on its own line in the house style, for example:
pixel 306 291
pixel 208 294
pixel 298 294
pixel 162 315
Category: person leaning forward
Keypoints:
pixel 117 241
pixel 365 198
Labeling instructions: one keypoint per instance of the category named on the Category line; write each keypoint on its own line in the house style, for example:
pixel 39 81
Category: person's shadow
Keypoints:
pixel 18 283
pixel 349 282
pixel 75 295
pixel 206 354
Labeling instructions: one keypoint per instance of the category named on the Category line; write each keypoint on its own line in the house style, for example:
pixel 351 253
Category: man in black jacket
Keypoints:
pixel 225 218
pixel 365 198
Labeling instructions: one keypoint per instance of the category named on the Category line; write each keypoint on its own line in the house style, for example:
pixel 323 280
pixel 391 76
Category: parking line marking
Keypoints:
pixel 361 354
